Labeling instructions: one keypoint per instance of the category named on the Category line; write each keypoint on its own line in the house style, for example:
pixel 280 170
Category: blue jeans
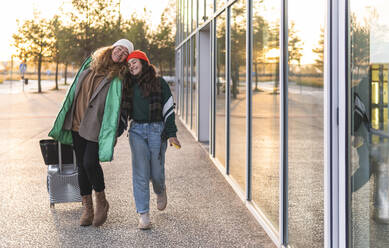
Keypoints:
pixel 148 161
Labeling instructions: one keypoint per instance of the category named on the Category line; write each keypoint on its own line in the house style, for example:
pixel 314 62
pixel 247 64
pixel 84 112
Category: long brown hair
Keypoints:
pixel 147 79
pixel 102 63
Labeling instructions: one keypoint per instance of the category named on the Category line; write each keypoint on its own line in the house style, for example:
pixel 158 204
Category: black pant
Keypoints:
pixel 90 173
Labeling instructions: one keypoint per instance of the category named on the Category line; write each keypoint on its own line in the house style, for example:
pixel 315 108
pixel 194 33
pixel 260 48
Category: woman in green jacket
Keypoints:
pixel 89 119
pixel 149 103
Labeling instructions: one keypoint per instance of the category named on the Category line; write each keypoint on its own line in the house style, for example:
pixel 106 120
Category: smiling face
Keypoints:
pixel 119 54
pixel 135 66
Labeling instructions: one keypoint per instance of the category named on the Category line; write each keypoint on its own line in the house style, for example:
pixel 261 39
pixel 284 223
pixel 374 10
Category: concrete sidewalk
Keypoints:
pixel 202 211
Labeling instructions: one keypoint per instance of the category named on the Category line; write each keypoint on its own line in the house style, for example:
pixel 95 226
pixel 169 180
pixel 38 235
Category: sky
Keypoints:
pixel 307 24
pixel 23 9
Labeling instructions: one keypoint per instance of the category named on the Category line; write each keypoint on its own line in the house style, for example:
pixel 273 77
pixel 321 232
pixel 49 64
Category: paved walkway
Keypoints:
pixel 203 210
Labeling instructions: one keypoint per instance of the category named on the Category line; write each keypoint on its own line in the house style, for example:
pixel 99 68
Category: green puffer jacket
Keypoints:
pixel 108 131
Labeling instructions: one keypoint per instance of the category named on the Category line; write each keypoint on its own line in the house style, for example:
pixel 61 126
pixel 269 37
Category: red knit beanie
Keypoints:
pixel 138 54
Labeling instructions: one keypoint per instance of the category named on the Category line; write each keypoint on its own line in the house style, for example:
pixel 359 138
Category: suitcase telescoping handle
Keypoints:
pixel 60 158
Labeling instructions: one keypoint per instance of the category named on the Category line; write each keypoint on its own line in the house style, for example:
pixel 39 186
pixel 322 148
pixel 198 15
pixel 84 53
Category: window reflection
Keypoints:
pixel 201 12
pixel 194 14
pixel 220 4
pixel 238 93
pixel 185 18
pixel 194 87
pixel 188 83
pixel 265 108
pixel 209 8
pixel 305 123
pixel 220 120
pixel 369 146
pixel 185 83
pixel 182 76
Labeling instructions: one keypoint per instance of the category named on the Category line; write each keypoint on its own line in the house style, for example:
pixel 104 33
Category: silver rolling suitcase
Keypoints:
pixel 62 177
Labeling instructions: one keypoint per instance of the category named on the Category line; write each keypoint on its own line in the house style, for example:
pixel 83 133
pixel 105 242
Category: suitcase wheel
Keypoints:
pixel 51 205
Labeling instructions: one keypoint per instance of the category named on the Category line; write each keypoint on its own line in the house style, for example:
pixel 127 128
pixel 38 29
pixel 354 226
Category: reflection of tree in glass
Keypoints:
pixel 220 51
pixel 274 44
pixel 295 44
pixel 359 42
pixel 265 43
pixel 260 27
pixel 238 43
pixel 319 50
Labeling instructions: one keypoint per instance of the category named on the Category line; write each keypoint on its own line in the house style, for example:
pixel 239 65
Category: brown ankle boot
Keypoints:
pixel 87 213
pixel 102 207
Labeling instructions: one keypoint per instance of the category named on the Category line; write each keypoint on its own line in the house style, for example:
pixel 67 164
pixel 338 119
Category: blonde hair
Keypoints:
pixel 102 63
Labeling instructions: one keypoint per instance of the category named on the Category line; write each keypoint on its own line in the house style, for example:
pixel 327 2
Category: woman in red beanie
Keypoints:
pixel 148 101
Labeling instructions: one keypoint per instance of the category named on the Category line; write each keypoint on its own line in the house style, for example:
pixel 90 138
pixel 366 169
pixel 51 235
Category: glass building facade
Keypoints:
pixel 290 98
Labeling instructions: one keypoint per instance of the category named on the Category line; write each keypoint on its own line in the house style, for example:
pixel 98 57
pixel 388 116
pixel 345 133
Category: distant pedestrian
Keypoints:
pixel 149 104
pixel 89 120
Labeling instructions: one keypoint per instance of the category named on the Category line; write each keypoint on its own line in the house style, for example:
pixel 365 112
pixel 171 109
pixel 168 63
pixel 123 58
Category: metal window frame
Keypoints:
pixel 249 93
pixel 284 69
pixel 228 78
pixel 210 19
pixel 182 82
pixel 344 128
pixel 187 68
pixel 191 81
pixel 337 116
pixel 213 91
pixel 195 81
pixel 198 86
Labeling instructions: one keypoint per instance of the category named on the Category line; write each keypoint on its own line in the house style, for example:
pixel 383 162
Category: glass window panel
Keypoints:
pixel 209 8
pixel 238 93
pixel 190 16
pixel 187 16
pixel 190 67
pixel 220 4
pixel 180 21
pixel 201 11
pixel 305 123
pixel 184 17
pixel 194 14
pixel 178 82
pixel 220 120
pixel 185 84
pixel 194 86
pixel 182 66
pixel 266 108
pixel 375 93
pixel 178 18
pixel 369 153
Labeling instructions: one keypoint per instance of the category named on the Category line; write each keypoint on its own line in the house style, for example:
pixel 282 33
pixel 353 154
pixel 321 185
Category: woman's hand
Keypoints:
pixel 174 141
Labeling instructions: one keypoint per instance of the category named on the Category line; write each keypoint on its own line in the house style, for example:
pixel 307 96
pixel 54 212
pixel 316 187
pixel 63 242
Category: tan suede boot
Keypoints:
pixel 102 207
pixel 162 200
pixel 87 213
